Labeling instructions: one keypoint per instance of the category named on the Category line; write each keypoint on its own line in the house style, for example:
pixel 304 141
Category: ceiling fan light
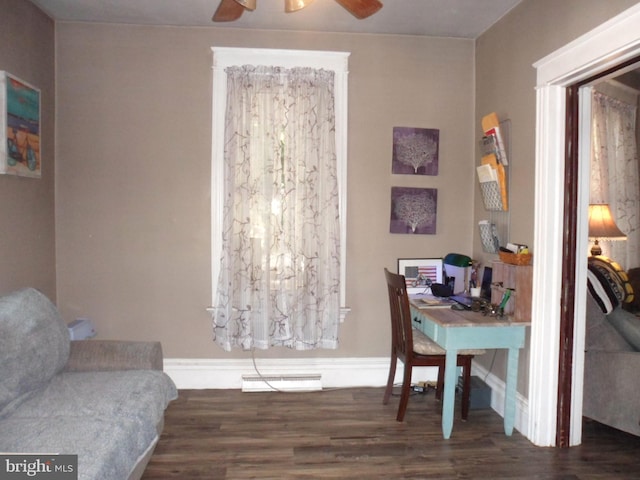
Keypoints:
pixel 248 4
pixel 294 5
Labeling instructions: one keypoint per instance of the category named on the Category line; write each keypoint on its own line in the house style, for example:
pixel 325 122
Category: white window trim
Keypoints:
pixel 224 57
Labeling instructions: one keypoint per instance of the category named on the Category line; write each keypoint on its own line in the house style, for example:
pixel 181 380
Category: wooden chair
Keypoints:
pixel 415 349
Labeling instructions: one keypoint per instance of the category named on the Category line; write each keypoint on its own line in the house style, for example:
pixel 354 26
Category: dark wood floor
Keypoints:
pixel 343 434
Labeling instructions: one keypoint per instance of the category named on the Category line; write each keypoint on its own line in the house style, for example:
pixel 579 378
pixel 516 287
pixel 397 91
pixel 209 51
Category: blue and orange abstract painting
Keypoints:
pixel 20 102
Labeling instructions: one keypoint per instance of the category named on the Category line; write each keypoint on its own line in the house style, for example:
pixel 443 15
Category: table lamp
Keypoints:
pixel 602 226
pixel 457 260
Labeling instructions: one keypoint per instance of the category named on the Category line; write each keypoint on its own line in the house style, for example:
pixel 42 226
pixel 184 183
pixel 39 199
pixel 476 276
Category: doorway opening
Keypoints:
pixel 577 111
pixel 608 46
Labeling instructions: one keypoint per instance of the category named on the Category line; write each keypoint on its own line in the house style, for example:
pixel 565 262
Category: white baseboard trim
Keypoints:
pixel 497 386
pixel 197 373
pixel 200 373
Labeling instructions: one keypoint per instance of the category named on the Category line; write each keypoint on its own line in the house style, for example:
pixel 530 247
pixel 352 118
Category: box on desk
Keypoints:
pixel 480 395
pixel 519 279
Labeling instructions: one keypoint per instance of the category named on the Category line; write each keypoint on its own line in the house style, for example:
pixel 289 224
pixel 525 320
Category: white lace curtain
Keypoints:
pixel 280 268
pixel 614 173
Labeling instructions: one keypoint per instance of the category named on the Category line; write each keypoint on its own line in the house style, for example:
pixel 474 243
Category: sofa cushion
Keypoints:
pixel 627 324
pixel 138 395
pixel 600 333
pixel 107 448
pixel 34 345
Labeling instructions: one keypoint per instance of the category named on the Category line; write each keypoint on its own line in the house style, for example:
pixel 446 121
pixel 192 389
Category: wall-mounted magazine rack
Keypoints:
pixel 489 236
pixel 492 173
pixel 490 189
pixel 494 181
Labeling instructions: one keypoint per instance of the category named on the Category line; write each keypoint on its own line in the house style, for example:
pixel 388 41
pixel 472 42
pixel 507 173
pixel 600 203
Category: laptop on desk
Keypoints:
pixel 467 300
pixel 463 299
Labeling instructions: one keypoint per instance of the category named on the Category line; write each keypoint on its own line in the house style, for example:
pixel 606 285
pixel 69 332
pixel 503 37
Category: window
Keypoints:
pixel 278 197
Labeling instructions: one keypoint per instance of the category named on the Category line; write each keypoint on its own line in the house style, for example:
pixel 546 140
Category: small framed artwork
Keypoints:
pixel 413 210
pixel 20 152
pixel 415 151
pixel 420 273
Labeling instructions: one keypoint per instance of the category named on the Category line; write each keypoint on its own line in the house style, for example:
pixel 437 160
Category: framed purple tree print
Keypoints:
pixel 415 151
pixel 413 210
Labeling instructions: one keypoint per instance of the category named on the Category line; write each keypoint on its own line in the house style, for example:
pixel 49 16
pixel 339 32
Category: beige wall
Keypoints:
pixel 505 83
pixel 133 149
pixel 27 227
pixel 133 179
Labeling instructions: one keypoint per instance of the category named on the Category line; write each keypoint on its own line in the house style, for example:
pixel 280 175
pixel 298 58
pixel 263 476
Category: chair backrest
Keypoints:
pixel 401 328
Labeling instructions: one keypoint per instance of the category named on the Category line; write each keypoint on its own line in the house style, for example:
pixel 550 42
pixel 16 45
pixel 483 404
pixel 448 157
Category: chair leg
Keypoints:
pixel 392 376
pixel 466 386
pixel 404 396
pixel 440 382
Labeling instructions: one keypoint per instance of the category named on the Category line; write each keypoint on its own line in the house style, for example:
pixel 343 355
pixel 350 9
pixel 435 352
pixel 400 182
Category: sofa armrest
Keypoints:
pixel 102 355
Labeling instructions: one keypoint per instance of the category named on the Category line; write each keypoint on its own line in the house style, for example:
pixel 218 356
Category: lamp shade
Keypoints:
pixel 602 225
pixel 457 260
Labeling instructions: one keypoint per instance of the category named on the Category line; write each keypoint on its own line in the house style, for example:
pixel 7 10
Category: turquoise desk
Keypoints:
pixel 456 330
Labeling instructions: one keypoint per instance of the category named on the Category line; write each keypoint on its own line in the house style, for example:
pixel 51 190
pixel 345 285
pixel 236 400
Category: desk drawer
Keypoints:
pixel 428 328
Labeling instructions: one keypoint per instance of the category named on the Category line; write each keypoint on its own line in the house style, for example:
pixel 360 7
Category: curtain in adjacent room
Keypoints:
pixel 614 173
pixel 280 268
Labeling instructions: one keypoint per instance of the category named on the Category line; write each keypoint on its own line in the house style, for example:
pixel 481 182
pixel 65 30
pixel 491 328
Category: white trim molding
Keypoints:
pixel 200 373
pixel 610 44
pixel 498 394
pixel 336 372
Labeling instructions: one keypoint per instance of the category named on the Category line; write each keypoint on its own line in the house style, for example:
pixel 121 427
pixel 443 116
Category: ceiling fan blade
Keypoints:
pixel 228 11
pixel 361 8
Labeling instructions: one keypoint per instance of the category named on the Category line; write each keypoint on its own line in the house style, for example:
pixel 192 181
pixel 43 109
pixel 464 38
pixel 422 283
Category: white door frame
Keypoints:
pixel 608 45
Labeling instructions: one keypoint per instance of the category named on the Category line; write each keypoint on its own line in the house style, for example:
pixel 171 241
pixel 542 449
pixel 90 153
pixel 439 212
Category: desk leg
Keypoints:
pixel 510 394
pixel 449 397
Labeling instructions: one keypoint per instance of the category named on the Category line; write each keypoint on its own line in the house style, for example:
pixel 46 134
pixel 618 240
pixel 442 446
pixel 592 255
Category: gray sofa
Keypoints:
pixel 101 400
pixel 612 364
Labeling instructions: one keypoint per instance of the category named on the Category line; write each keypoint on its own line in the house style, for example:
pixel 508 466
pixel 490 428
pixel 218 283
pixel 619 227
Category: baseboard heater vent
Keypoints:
pixel 286 383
